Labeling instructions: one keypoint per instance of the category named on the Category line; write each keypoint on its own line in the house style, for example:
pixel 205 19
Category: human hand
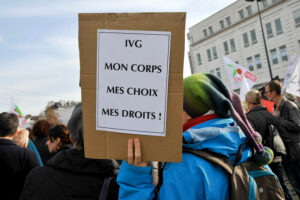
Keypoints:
pixel 135 153
pixel 275 113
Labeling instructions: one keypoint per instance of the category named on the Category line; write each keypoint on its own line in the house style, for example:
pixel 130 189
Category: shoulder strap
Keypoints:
pixel 239 179
pixel 104 190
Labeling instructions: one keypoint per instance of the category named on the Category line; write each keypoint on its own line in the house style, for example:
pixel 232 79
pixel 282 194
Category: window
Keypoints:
pixel 232 45
pixel 265 3
pixel 208 55
pixel 205 33
pixel 253 36
pixel 274 1
pixel 222 24
pixel 218 72
pixel 283 53
pixel 211 71
pixel 299 43
pixel 226 50
pixel 237 62
pixel 214 50
pixel 250 63
pixel 297 17
pixel 274 56
pixel 257 61
pixel 278 26
pixel 210 30
pixel 199 59
pixel 249 10
pixel 246 41
pixel 228 21
pixel 242 14
pixel 269 30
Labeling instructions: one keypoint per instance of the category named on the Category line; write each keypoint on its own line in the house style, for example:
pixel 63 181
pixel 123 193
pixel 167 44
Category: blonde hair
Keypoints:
pixel 22 137
pixel 253 96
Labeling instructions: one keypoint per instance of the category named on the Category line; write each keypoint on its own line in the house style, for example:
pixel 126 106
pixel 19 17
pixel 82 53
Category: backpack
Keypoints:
pixel 274 141
pixel 247 180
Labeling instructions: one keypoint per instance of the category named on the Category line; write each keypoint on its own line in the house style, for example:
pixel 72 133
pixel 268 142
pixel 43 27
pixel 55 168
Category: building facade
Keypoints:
pixel 236 32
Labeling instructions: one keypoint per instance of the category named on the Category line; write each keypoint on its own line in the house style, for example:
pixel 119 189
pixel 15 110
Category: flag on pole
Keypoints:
pixel 15 109
pixel 291 82
pixel 236 73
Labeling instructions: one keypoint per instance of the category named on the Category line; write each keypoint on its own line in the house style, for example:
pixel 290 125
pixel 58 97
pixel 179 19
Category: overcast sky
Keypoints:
pixel 39 57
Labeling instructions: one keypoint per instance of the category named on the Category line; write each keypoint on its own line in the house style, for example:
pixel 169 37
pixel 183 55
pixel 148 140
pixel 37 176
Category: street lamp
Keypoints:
pixel 264 39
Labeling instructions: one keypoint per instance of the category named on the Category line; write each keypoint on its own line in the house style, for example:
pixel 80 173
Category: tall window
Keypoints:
pixel 237 62
pixel 278 26
pixel 269 30
pixel 245 38
pixel 265 3
pixel 253 36
pixel 226 50
pixel 211 71
pixel 249 10
pixel 228 21
pixel 283 53
pixel 208 54
pixel 214 50
pixel 257 61
pixel 218 72
pixel 299 43
pixel 199 59
pixel 250 63
pixel 274 1
pixel 210 30
pixel 232 45
pixel 242 14
pixel 297 17
pixel 274 56
pixel 222 25
pixel 205 33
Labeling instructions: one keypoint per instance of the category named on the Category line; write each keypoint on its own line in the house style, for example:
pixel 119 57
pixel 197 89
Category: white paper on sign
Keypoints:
pixel 291 82
pixel 132 81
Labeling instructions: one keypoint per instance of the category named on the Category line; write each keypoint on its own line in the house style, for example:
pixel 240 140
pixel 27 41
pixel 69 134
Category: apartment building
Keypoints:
pixel 237 33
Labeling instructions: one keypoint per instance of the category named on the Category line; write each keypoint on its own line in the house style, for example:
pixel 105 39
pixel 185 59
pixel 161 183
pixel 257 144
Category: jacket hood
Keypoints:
pixel 220 135
pixel 73 160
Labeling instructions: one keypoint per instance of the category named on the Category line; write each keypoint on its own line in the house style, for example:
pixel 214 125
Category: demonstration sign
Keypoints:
pixel 132 81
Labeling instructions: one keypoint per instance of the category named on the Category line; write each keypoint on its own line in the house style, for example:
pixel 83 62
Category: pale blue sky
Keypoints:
pixel 39 59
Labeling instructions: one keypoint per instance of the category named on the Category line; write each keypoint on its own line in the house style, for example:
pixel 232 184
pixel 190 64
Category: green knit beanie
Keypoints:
pixel 204 92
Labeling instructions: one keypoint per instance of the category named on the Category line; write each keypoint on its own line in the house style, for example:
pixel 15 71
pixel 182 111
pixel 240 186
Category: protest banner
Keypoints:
pixel 235 73
pixel 291 82
pixel 131 69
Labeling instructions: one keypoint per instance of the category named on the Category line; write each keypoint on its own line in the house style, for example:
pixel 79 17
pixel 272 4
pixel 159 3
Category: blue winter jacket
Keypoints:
pixel 194 177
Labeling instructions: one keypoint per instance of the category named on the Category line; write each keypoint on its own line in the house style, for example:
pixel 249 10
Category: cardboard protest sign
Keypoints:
pixel 131 69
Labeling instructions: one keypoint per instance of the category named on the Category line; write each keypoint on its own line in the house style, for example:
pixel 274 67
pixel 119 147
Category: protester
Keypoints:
pixel 39 132
pixel 259 117
pixel 58 138
pixel 22 140
pixel 208 124
pixel 287 119
pixel 69 175
pixel 15 162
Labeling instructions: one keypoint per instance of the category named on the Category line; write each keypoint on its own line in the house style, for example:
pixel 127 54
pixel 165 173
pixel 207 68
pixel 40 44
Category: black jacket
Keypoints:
pixel 288 125
pixel 40 143
pixel 259 117
pixel 15 165
pixel 69 176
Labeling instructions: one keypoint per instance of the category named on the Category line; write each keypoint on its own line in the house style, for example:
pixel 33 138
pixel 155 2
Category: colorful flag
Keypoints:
pixel 15 109
pixel 236 73
pixel 291 82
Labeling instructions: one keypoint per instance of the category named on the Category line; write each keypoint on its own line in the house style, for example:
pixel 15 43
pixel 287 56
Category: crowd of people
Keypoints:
pixel 47 161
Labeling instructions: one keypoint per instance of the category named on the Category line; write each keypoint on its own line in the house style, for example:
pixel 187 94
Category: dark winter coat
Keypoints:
pixel 288 125
pixel 15 164
pixel 259 117
pixel 68 175
pixel 40 143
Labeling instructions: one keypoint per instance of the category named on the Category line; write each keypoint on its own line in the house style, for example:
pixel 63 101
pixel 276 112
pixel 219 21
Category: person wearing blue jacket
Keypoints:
pixel 213 120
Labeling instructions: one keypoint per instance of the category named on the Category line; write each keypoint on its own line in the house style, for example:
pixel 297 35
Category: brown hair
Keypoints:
pixel 59 131
pixel 275 85
pixel 253 96
pixel 40 128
